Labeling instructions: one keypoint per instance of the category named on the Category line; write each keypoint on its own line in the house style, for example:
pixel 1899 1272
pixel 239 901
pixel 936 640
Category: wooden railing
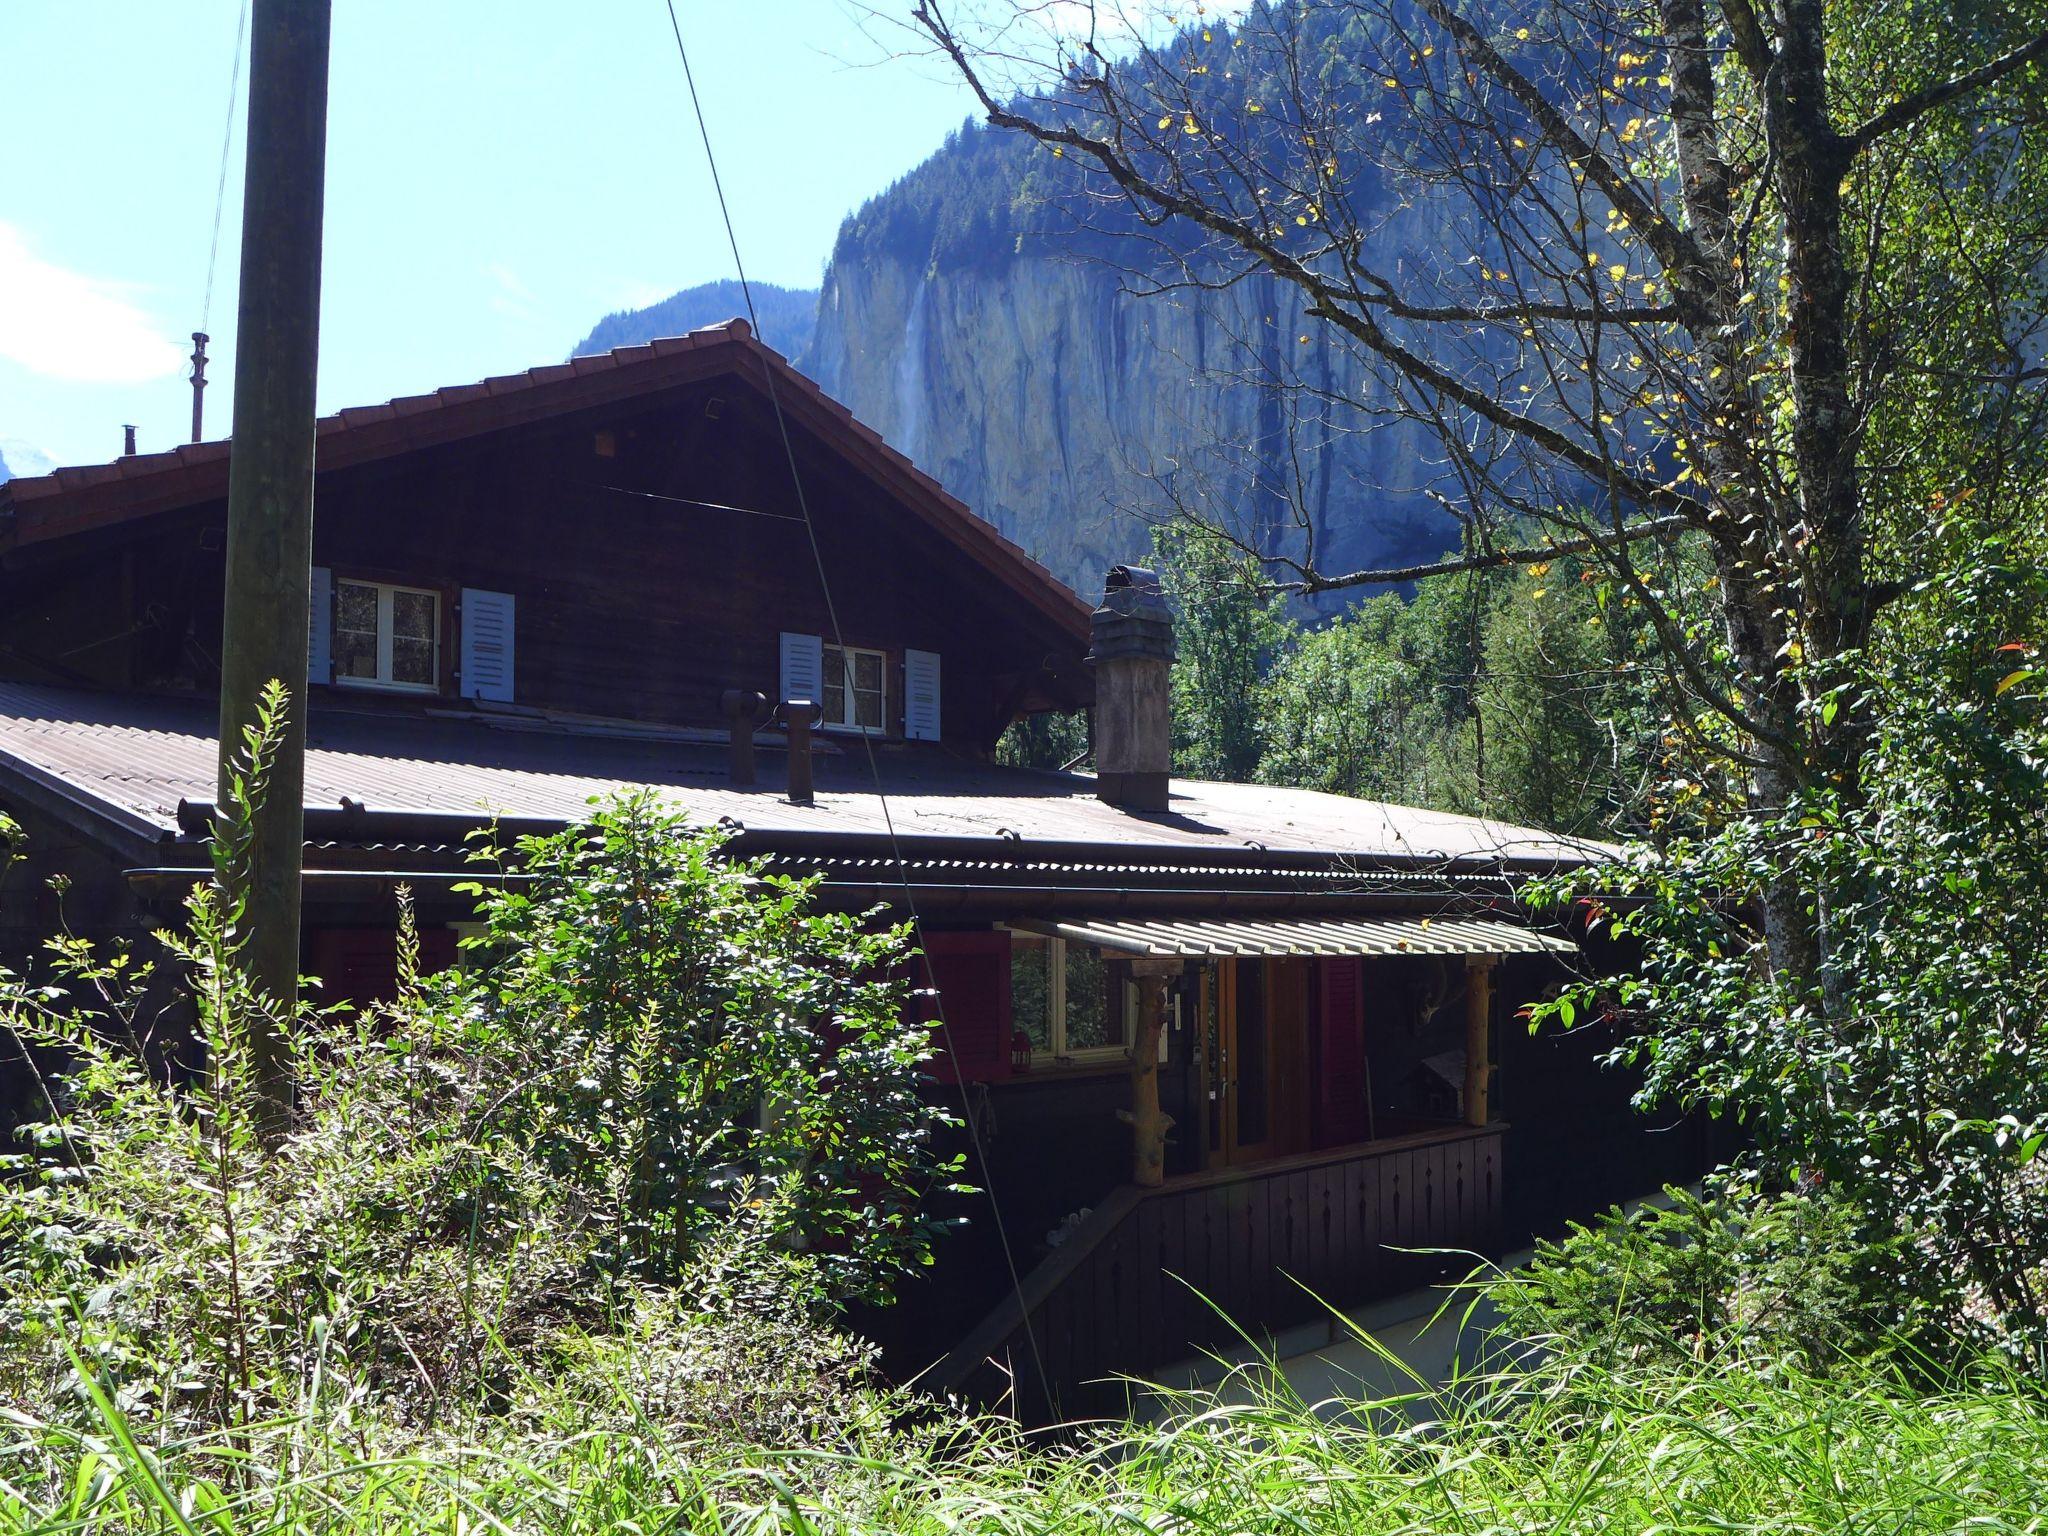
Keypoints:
pixel 1152 1276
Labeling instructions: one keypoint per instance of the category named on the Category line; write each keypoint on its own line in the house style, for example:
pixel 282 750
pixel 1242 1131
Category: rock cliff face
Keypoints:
pixel 1070 412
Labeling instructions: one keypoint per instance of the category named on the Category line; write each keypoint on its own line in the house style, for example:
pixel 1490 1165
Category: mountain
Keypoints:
pixel 980 314
pixel 19 460
pixel 786 315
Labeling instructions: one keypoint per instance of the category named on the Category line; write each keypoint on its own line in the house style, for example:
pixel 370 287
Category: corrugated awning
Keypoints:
pixel 1310 936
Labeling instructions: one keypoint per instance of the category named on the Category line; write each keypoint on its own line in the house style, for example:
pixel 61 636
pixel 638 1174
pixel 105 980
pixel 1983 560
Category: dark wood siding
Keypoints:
pixel 655 555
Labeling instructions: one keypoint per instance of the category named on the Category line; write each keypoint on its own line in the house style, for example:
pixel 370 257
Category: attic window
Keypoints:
pixel 387 636
pixel 856 693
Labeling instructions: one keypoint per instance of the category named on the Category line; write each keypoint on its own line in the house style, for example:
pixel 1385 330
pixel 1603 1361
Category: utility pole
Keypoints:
pixel 270 492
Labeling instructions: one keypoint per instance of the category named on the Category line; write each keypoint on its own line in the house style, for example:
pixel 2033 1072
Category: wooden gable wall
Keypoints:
pixel 635 599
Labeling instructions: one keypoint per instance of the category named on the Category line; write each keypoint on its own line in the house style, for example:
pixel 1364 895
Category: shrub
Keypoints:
pixel 487 1183
pixel 1732 1274
pixel 670 1023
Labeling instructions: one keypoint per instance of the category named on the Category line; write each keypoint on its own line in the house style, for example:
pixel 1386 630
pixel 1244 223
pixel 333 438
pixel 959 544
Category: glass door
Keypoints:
pixel 1239 1056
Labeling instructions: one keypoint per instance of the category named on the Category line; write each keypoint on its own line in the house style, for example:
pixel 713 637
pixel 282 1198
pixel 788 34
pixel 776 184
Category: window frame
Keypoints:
pixel 1056 1006
pixel 386 592
pixel 847 692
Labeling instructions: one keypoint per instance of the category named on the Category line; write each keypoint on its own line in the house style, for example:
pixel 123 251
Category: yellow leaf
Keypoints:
pixel 1522 33
pixel 2012 680
pixel 1390 82
pixel 1166 120
pixel 1616 272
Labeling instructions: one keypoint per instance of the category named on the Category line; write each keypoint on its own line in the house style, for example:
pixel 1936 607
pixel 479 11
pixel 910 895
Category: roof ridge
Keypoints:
pixel 137 469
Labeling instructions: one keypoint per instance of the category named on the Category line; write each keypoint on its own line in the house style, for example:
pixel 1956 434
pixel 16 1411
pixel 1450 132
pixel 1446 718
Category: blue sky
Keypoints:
pixel 501 173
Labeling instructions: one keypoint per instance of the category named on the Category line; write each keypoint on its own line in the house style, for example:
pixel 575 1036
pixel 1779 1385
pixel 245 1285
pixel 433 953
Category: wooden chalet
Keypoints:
pixel 1248 1042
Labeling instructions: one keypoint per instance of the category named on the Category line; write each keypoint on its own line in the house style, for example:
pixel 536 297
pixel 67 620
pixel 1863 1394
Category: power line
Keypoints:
pixel 227 138
pixel 874 768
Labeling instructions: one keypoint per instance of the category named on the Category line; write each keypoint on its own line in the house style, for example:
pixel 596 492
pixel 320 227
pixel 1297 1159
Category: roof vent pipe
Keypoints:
pixel 128 440
pixel 743 712
pixel 199 341
pixel 1132 651
pixel 799 715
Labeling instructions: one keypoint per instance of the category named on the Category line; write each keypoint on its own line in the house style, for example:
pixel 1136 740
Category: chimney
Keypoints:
pixel 128 440
pixel 743 712
pixel 1131 649
pixel 799 715
pixel 199 341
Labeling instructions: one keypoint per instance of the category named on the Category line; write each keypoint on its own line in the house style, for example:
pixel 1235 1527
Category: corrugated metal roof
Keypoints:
pixel 139 756
pixel 1316 936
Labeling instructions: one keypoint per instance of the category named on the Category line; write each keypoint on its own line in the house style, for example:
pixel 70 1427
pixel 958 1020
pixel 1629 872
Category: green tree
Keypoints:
pixel 1919 1099
pixel 1227 625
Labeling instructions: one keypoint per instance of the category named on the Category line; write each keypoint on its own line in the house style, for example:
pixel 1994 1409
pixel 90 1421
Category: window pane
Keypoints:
pixel 412 661
pixel 355 630
pixel 1087 1015
pixel 413 614
pixel 867 690
pixel 833 670
pixel 1031 988
pixel 867 708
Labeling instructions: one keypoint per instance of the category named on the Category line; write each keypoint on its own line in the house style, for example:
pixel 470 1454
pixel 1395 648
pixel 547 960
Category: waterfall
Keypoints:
pixel 910 380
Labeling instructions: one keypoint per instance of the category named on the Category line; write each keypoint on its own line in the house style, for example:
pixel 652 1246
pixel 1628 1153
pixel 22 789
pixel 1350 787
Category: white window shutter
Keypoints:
pixel 320 632
pixel 921 695
pixel 487 626
pixel 803 668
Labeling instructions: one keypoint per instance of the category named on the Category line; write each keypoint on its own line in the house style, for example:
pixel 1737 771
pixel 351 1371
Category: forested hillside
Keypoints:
pixel 786 316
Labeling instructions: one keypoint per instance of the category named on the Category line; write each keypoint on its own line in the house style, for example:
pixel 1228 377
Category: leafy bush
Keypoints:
pixel 1905 1076
pixel 491 1182
pixel 671 1024
pixel 1734 1274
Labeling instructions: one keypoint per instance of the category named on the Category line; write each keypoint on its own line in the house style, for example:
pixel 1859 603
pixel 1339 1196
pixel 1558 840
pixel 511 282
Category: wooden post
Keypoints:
pixel 1149 1123
pixel 270 490
pixel 1478 1039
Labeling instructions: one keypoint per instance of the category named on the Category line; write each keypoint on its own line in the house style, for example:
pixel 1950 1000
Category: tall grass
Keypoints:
pixel 1562 1450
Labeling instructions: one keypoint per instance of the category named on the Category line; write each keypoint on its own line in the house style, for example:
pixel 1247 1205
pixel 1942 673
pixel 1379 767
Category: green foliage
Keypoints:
pixel 1562 1448
pixel 468 1209
pixel 1527 695
pixel 1043 741
pixel 1226 629
pixel 1732 1275
pixel 686 1025
pixel 1906 1078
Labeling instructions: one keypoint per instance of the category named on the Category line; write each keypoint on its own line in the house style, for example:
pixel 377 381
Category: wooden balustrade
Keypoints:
pixel 1153 1276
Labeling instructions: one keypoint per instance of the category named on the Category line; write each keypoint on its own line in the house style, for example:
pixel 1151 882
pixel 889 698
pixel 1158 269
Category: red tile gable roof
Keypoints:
pixel 75 499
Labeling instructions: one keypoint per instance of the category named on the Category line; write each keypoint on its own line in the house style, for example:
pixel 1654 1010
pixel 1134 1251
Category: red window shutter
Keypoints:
pixel 971 974
pixel 1341 1078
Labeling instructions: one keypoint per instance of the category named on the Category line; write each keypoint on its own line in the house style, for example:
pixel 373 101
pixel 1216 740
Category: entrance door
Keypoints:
pixel 1237 1018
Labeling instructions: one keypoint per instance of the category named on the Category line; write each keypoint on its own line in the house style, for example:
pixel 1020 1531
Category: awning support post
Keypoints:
pixel 1149 1123
pixel 1478 1039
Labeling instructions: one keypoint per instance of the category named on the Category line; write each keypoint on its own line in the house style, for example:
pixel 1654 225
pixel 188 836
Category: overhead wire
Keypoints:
pixel 968 1113
pixel 227 139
